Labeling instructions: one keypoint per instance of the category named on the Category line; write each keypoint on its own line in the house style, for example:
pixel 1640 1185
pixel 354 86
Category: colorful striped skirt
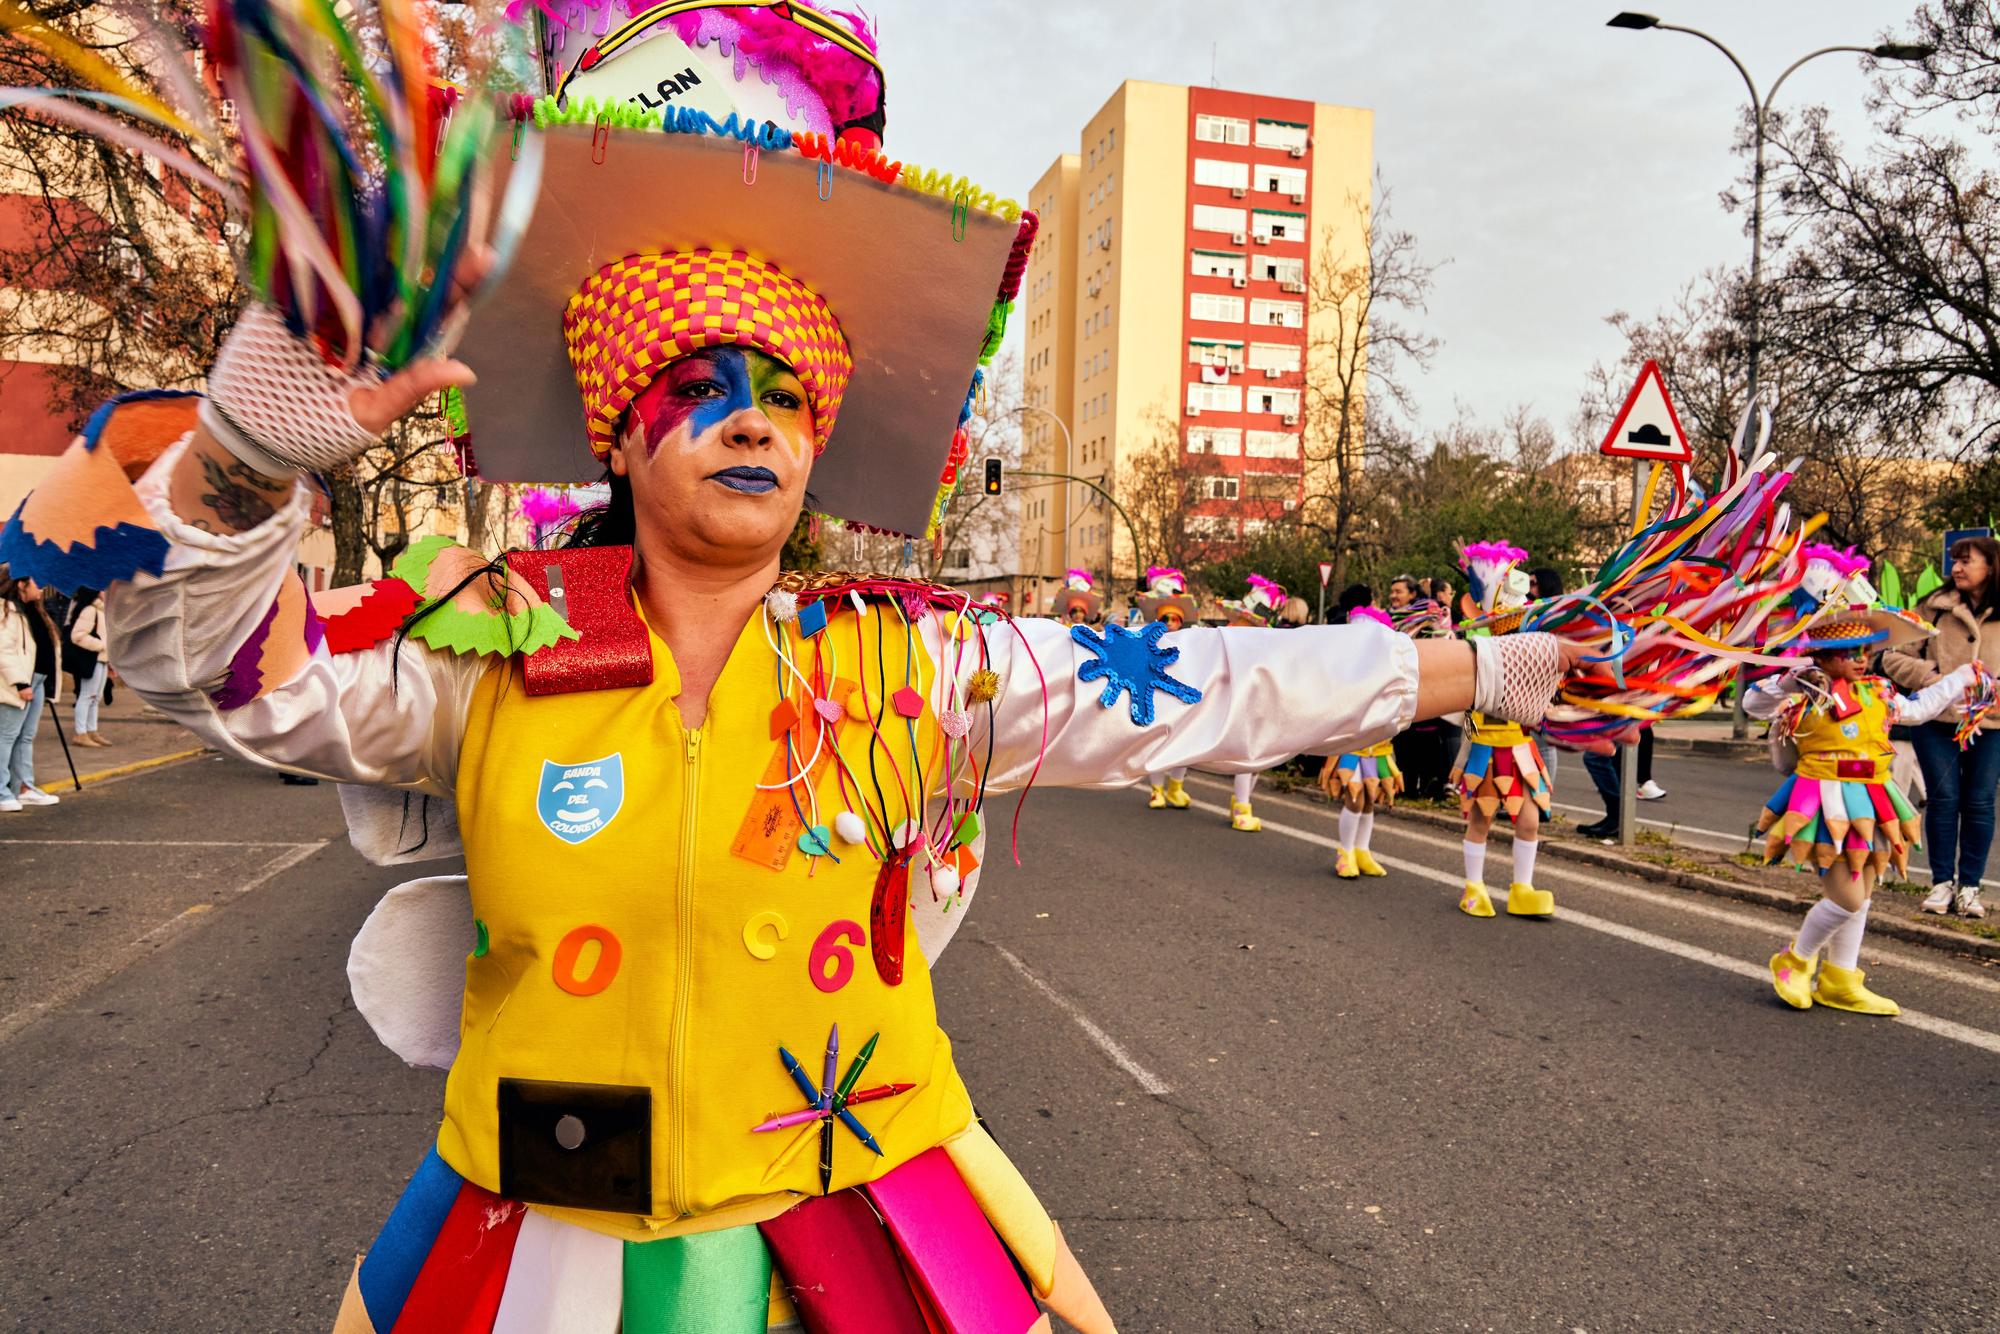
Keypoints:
pixel 1371 772
pixel 951 1240
pixel 1509 777
pixel 1821 819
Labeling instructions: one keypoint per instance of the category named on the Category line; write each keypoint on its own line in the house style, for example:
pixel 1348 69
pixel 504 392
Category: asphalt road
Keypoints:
pixel 1256 1097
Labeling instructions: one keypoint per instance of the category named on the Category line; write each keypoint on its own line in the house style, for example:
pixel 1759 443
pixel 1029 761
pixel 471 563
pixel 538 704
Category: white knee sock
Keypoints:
pixel 1156 780
pixel 1475 863
pixel 1825 918
pixel 1524 860
pixel 1243 785
pixel 1843 950
pixel 1366 838
pixel 1178 775
pixel 1350 822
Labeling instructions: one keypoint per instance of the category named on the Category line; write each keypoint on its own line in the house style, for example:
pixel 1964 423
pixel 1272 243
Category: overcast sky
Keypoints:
pixel 1567 170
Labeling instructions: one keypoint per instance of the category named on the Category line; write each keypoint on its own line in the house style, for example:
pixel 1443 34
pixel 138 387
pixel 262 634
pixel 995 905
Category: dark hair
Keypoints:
pixel 1548 581
pixel 1356 595
pixel 1987 547
pixel 612 524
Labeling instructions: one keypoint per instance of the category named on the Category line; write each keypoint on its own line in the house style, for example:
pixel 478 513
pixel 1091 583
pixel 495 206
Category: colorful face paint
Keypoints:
pixel 705 389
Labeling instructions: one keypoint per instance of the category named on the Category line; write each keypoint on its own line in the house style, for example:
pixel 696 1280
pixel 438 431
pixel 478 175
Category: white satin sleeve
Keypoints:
pixel 389 716
pixel 1927 704
pixel 1266 695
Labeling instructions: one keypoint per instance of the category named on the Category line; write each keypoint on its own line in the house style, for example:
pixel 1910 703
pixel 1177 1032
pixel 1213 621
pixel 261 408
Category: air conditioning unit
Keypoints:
pixel 1237 192
pixel 1271 373
pixel 1298 152
pixel 1289 287
pixel 1193 411
pixel 1291 505
pixel 1239 282
pixel 1299 197
pixel 1263 240
pixel 1291 419
pixel 1237 238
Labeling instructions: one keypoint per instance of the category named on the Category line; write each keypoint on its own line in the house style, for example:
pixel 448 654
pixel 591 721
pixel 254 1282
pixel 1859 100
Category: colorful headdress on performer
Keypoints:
pixel 1375 614
pixel 1836 607
pixel 1422 619
pixel 1167 587
pixel 1078 591
pixel 1259 606
pixel 1489 570
pixel 710 175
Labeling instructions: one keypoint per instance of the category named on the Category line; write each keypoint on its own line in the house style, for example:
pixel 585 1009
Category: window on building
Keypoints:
pixel 1283 402
pixel 1284 314
pixel 1226 440
pixel 1216 307
pixel 1219 488
pixel 1256 527
pixel 1111 139
pixel 1270 224
pixel 1221 130
pixel 1215 397
pixel 1226 175
pixel 958 558
pixel 1274 357
pixel 1291 272
pixel 1215 218
pixel 1216 352
pixel 1218 264
pixel 1287 181
pixel 1270 486
pixel 1285 134
pixel 1271 444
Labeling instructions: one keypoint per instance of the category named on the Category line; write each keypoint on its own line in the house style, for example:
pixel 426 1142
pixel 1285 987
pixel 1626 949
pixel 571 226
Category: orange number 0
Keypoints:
pixel 570 952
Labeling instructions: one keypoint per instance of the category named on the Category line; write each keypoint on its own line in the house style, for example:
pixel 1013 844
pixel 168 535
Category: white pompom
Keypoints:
pixel 850 827
pixel 782 605
pixel 944 881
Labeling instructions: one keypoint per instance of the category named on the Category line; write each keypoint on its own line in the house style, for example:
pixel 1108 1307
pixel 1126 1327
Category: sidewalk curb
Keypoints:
pixel 1915 933
pixel 1726 747
pixel 139 766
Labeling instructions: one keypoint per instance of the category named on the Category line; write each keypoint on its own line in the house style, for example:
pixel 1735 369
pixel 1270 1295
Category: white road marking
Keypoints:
pixel 1944 1028
pixel 1105 1043
pixel 1910 957
pixel 117 961
pixel 150 843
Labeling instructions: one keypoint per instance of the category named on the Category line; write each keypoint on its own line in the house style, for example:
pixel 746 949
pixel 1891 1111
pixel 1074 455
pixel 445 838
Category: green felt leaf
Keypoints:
pixel 1928 582
pixel 1892 585
pixel 450 628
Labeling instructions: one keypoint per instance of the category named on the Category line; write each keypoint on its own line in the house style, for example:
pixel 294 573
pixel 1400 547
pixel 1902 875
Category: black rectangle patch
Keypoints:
pixel 577 1146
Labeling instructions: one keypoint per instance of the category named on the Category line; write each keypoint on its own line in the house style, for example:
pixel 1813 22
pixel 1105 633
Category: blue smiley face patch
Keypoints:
pixel 576 801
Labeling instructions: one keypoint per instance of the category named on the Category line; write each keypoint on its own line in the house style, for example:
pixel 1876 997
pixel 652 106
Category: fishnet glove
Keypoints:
pixel 276 405
pixel 1516 676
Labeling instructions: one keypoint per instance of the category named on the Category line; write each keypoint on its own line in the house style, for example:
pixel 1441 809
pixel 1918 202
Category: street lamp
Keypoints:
pixel 1759 107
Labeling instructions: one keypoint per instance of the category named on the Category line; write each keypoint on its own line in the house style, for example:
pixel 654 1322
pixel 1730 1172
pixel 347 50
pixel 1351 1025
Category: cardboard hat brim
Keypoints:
pixel 1092 602
pixel 912 300
pixel 1150 607
pixel 1887 629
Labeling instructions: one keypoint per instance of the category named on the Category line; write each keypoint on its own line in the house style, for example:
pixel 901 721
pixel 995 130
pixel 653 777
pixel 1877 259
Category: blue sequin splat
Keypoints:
pixel 1132 663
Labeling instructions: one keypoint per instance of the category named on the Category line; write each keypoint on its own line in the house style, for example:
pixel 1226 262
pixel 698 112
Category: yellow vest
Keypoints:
pixel 1495 732
pixel 1854 749
pixel 625 943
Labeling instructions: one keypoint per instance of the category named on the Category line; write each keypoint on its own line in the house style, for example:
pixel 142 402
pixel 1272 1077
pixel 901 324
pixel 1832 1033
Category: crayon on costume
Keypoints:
pixel 1362 780
pixel 1078 600
pixel 1499 767
pixel 661 926
pixel 1167 601
pixel 1257 609
pixel 1840 809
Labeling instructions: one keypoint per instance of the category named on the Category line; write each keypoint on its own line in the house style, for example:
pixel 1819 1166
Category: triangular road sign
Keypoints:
pixel 1647 426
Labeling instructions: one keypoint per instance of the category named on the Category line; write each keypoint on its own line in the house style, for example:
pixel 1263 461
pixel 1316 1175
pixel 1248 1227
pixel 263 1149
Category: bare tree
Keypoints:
pixel 1164 490
pixel 1360 301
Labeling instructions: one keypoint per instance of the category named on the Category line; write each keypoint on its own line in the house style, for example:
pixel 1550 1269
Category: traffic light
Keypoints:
pixel 993 477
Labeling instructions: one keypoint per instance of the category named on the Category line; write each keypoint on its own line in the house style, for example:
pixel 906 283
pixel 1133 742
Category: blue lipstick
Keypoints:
pixel 749 481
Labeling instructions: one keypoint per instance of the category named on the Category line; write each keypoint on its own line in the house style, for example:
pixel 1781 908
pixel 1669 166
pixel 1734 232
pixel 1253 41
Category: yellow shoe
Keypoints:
pixel 1474 902
pixel 1527 901
pixel 1844 989
pixel 1177 796
pixel 1344 865
pixel 1240 818
pixel 1792 976
pixel 1365 861
pixel 1158 801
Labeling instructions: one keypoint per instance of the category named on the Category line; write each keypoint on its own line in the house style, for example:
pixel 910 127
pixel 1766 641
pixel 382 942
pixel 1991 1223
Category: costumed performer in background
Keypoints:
pixel 1262 607
pixel 1078 602
pixel 1360 781
pixel 806 756
pixel 1499 767
pixel 1167 602
pixel 1839 810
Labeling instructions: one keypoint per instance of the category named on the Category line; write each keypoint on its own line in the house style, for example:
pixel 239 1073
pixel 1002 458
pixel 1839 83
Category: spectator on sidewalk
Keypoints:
pixel 1607 775
pixel 83 657
pixel 1959 784
pixel 31 681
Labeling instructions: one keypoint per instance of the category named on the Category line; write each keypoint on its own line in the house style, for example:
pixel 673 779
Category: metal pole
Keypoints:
pixel 1131 529
pixel 1628 758
pixel 1322 602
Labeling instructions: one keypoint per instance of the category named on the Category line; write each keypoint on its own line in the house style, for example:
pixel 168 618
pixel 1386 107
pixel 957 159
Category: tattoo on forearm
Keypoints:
pixel 239 495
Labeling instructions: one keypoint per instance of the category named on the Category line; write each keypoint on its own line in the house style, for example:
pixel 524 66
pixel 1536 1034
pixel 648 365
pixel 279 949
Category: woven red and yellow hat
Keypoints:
pixel 635 315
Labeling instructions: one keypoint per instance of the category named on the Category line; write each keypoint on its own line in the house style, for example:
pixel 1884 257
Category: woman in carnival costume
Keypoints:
pixel 1263 608
pixel 1360 781
pixel 1499 767
pixel 1839 810
pixel 761 794
pixel 1167 602
pixel 1078 602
